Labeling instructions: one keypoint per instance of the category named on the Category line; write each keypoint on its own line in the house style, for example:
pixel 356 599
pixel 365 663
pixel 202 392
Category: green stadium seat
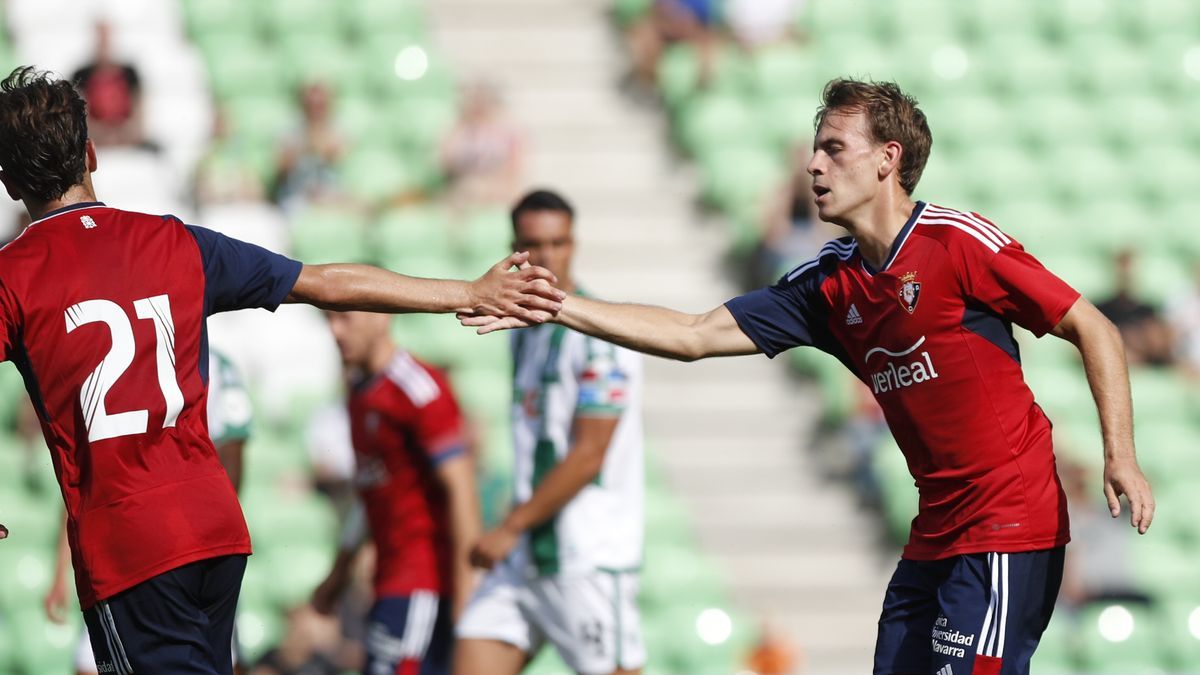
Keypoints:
pixel 1024 67
pixel 380 175
pixel 1045 122
pixel 785 68
pixel 324 235
pixel 1121 638
pixel 1078 173
pixel 688 639
pixel 219 17
pixel 787 119
pixel 961 124
pixel 241 65
pixel 1056 652
pixel 401 68
pixel 285 17
pixel 1128 117
pixel 716 120
pixel 363 121
pixel 739 180
pixel 263 121
pixel 485 393
pixel 627 12
pixel 1181 624
pixel 1068 19
pixel 1167 446
pixel 485 235
pixel 45 647
pixel 322 56
pixel 420 123
pixel 412 231
pixel 298 568
pixel 397 18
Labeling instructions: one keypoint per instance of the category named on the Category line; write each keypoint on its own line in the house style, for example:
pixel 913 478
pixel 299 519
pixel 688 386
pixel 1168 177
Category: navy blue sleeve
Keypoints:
pixel 792 313
pixel 238 275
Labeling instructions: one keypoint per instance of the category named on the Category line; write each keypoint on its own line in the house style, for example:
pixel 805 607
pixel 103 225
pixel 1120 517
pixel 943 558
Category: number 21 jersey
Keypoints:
pixel 103 312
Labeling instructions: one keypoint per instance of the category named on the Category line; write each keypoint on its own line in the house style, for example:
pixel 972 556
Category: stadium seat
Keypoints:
pixel 218 17
pixel 397 18
pixel 740 179
pixel 787 119
pixel 259 627
pixel 412 231
pixel 1121 638
pixel 45 647
pixel 1181 625
pixel 379 175
pixel 420 123
pixel 284 17
pixel 323 234
pixel 240 64
pixel 715 120
pixel 262 120
pixel 322 56
pixel 1056 652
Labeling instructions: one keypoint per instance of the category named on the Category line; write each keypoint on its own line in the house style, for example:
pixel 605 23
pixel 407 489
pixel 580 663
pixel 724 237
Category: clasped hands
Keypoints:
pixel 512 294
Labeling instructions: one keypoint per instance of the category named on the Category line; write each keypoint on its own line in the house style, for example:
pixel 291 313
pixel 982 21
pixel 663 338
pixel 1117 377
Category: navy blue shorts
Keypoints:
pixel 975 614
pixel 409 635
pixel 180 621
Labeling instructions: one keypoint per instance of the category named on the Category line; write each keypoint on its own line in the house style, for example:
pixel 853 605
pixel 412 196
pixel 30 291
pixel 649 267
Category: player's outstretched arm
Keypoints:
pixel 1099 343
pixel 644 328
pixel 525 292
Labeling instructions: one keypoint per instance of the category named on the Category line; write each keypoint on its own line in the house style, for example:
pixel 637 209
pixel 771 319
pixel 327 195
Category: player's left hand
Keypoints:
pixel 3 532
pixel 494 547
pixel 1123 477
pixel 526 293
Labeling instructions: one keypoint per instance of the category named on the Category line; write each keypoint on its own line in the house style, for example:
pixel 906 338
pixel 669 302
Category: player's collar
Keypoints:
pixel 66 209
pixel 898 242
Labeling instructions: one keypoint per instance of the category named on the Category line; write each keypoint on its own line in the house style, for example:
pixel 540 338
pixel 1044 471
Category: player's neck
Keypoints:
pixel 877 229
pixel 77 194
pixel 381 357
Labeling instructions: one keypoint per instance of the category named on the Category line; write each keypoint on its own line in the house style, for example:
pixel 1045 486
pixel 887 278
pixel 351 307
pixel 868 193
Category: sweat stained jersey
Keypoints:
pixel 931 335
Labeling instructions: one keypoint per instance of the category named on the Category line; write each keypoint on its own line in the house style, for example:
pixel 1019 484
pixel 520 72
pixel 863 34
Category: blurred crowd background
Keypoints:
pixel 337 131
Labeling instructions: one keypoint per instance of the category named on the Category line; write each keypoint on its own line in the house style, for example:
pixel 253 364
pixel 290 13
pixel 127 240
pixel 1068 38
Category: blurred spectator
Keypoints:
pixel 1183 316
pixel 306 168
pixel 113 92
pixel 226 172
pixel 1147 338
pixel 792 233
pixel 1098 565
pixel 669 22
pixel 483 155
pixel 308 647
pixel 758 23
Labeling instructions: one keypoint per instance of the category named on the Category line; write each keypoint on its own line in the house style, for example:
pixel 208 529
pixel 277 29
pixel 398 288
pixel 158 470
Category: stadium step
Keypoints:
pixel 729 435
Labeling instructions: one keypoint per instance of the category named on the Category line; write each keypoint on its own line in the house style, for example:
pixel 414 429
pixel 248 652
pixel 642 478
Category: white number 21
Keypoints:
pixel 100 423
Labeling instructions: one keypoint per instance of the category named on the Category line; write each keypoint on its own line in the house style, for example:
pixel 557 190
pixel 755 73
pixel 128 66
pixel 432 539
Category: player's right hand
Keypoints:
pixel 1124 477
pixel 526 292
pixel 3 532
pixel 55 602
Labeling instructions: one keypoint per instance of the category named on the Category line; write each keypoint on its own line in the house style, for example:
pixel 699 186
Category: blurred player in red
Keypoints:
pixel 416 483
pixel 103 313
pixel 919 302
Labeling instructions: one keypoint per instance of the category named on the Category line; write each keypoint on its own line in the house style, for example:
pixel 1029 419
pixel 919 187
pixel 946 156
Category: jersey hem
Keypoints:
pixel 109 590
pixel 984 547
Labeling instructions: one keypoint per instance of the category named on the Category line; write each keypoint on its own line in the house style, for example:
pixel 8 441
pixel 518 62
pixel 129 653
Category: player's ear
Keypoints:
pixel 892 152
pixel 89 150
pixel 9 187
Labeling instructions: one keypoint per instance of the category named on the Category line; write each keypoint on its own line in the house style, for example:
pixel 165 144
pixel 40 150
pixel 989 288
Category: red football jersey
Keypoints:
pixel 103 312
pixel 931 334
pixel 403 423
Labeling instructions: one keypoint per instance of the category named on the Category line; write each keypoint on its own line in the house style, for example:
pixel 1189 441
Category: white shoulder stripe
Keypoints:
pixel 971 222
pixel 989 229
pixel 983 239
pixel 412 378
pixel 843 250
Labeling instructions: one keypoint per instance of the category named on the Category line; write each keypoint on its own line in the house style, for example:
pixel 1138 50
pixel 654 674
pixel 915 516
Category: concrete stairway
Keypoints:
pixel 730 434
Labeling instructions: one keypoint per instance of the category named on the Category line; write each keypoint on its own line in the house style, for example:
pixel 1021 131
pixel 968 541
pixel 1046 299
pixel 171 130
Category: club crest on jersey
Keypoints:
pixel 910 291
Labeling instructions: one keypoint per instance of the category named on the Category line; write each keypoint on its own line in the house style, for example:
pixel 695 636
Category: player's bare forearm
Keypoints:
pixel 457 476
pixel 581 465
pixel 502 291
pixel 657 330
pixel 1099 344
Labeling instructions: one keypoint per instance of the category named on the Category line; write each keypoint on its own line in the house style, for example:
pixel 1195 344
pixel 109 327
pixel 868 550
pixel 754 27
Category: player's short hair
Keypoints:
pixel 43 133
pixel 892 115
pixel 541 200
